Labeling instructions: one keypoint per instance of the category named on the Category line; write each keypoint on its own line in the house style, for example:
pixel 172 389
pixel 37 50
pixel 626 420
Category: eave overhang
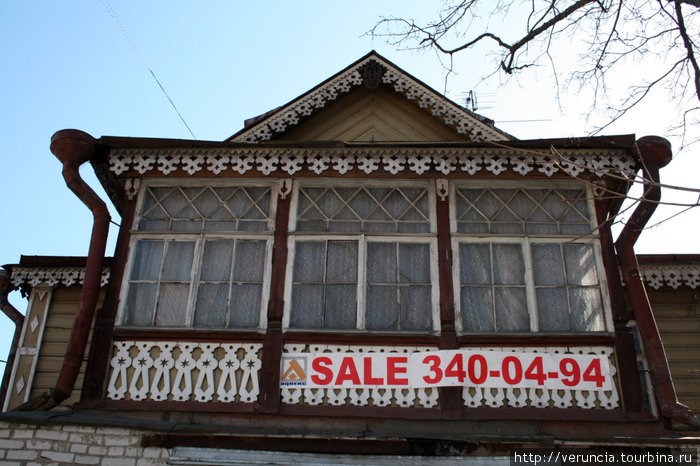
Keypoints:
pixel 52 271
pixel 122 160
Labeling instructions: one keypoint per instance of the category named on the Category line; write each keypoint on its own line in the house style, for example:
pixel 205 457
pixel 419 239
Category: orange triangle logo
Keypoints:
pixel 294 372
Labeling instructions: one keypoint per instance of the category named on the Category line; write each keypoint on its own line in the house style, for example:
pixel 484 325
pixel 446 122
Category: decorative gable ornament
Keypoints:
pixel 371 71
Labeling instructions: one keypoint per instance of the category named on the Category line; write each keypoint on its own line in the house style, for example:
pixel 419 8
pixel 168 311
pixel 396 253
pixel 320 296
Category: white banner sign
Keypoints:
pixel 448 368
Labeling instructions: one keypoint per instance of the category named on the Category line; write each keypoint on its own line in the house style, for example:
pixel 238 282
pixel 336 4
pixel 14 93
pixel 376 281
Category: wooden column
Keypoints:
pixel 450 397
pixel 269 400
pixel 95 379
pixel 628 373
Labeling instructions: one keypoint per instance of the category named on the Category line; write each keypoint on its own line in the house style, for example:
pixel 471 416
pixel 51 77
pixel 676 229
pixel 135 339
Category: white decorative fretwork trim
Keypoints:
pixel 268 160
pixel 673 275
pixel 405 398
pixel 474 397
pixel 164 371
pixel 452 114
pixel 53 276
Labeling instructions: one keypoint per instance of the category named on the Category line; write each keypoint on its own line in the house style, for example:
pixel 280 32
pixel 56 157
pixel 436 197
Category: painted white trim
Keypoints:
pixel 312 101
pixel 530 290
pixel 199 237
pixel 362 239
pixel 33 352
pixel 392 161
pixel 39 339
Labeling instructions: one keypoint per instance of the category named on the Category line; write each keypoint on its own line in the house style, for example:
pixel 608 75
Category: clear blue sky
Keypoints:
pixel 67 65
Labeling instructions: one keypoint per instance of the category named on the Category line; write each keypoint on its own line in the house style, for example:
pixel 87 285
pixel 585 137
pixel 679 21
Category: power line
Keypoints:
pixel 114 16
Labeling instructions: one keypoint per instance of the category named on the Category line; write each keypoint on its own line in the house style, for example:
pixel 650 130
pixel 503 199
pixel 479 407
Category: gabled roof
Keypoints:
pixel 372 70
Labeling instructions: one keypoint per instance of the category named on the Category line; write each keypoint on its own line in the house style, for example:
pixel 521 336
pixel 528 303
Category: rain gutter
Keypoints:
pixel 18 319
pixel 654 153
pixel 73 148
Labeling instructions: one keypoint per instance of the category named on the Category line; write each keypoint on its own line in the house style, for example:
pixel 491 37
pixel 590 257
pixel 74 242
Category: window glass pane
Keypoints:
pixel 154 225
pixel 416 308
pixel 514 211
pixel 511 310
pixel 553 307
pixel 508 264
pixel 220 225
pixel 414 263
pixel 146 261
pixel 382 308
pixel 140 302
pixel 487 204
pixel 342 262
pixel 475 264
pixel 249 261
pixel 216 261
pixel 173 200
pixel 363 209
pixel 580 264
pixel 381 263
pixel 238 203
pixel 307 306
pixel 587 310
pixel 245 305
pixel 177 265
pixel 206 203
pixel 329 203
pixel 379 227
pixel 504 228
pixel 547 264
pixel 341 306
pixel 172 305
pixel 309 261
pixel 477 309
pixel 212 304
pixel 192 226
pixel 185 209
pixel 522 204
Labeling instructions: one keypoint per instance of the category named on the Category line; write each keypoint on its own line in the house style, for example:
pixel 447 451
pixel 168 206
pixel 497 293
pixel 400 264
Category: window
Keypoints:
pixel 362 257
pixel 525 259
pixel 200 256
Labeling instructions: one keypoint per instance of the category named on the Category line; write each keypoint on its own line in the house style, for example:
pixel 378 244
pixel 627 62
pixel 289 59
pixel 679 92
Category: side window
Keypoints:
pixel 526 260
pixel 200 257
pixel 362 257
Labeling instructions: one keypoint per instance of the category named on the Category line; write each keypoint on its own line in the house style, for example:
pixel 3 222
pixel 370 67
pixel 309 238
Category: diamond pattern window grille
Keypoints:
pixel 363 209
pixel 197 209
pixel 522 211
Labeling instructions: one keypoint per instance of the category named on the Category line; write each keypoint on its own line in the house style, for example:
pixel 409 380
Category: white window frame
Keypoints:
pixel 199 238
pixel 429 238
pixel 525 242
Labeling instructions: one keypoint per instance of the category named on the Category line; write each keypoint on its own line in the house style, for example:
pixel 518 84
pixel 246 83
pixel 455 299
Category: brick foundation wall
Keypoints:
pixel 22 444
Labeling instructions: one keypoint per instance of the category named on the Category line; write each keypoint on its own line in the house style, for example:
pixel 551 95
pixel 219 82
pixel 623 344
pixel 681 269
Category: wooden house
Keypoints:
pixel 370 269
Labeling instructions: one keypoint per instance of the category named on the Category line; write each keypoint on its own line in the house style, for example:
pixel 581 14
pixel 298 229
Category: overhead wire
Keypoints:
pixel 114 16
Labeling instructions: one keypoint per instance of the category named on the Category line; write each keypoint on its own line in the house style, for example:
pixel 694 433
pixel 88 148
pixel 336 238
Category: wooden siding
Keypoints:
pixel 678 318
pixel 26 358
pixel 59 324
pixel 373 115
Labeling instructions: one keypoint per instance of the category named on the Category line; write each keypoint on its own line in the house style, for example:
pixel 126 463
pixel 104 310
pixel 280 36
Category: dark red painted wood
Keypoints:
pixel 450 397
pixel 95 379
pixel 269 399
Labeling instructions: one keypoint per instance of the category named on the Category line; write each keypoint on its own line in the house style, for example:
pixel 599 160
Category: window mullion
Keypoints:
pixel 166 243
pixel 493 288
pixel 567 287
pixel 230 282
pixel 324 284
pixel 194 279
pixel 361 281
pixel 530 286
pixel 398 285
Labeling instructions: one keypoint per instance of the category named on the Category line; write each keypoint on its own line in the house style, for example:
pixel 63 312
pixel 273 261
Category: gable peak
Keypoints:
pixel 370 71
